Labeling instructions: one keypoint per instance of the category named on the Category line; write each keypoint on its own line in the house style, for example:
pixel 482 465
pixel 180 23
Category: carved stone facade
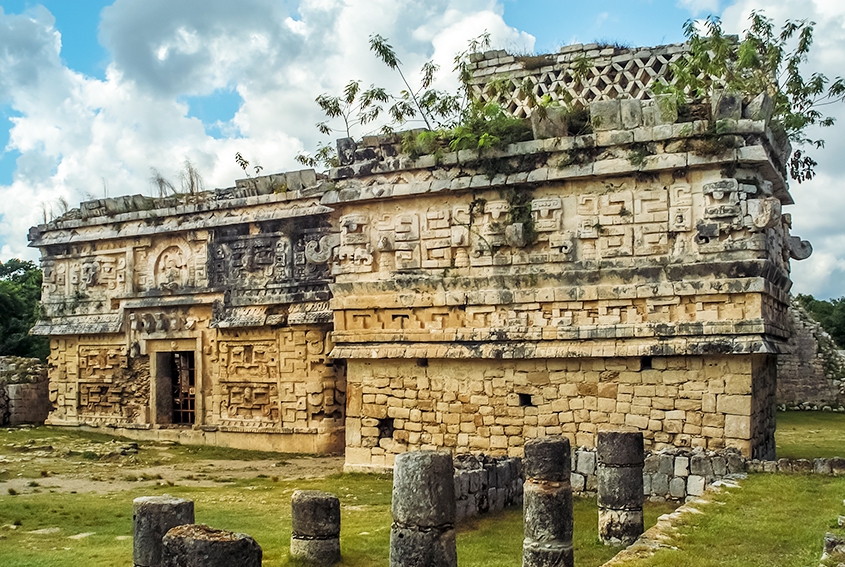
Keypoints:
pixel 632 278
pixel 200 318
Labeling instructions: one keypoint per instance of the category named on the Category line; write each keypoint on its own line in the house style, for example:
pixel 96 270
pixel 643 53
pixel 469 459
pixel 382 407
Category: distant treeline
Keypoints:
pixel 20 292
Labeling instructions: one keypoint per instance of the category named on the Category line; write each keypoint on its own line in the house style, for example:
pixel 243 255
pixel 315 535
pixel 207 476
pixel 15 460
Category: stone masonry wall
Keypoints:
pixel 812 374
pixel 23 391
pixel 486 484
pixel 470 405
pixel 670 474
pixel 634 277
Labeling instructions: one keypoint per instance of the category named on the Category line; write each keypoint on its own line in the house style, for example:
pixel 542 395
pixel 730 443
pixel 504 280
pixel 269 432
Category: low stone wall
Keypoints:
pixel 24 396
pixel 834 466
pixel 486 484
pixel 673 474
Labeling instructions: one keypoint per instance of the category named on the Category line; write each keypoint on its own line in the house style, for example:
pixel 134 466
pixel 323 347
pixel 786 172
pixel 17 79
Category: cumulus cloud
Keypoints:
pixel 697 7
pixel 82 137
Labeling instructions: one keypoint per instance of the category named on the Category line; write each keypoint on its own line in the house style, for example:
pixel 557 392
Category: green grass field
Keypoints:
pixel 261 508
pixel 810 434
pixel 772 520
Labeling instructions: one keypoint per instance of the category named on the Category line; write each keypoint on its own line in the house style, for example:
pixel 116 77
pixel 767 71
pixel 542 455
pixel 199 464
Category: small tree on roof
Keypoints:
pixel 762 60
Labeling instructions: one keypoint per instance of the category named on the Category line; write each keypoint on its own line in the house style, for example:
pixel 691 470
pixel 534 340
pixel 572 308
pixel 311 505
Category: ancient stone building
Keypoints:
pixel 203 314
pixel 634 277
pixel 812 372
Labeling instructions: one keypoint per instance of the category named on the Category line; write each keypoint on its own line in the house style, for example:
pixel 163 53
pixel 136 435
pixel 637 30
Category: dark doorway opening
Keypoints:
pixel 183 388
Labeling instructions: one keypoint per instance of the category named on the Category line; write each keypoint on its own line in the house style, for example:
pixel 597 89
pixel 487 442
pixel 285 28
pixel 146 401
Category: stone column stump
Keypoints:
pixel 423 506
pixel 197 545
pixel 620 486
pixel 315 533
pixel 547 504
pixel 153 517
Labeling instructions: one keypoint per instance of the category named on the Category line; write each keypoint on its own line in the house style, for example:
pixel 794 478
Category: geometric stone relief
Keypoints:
pixel 355 253
pixel 397 236
pixel 170 321
pixel 171 268
pixel 356 324
pixel 278 380
pixel 84 276
pixel 248 261
pixel 164 264
pixel 250 361
pixel 680 209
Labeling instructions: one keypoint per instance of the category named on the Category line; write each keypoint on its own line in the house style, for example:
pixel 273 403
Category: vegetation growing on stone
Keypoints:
pixel 830 313
pixel 764 60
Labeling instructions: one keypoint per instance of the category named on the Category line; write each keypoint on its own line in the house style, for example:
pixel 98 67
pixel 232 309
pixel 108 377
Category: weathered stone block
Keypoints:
pixel 606 115
pixel 414 548
pixel 620 488
pixel 677 487
pixel 660 484
pixel 631 113
pixel 696 485
pixel 586 462
pixel 620 527
pixel 153 516
pixel 196 545
pixel 681 466
pixel 759 108
pixel 725 105
pixel 738 426
pixel 736 405
pixel 423 490
pixel 665 110
pixel 547 458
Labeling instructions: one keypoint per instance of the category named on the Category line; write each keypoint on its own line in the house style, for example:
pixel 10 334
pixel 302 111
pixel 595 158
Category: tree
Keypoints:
pixel 20 293
pixel 763 60
pixel 830 314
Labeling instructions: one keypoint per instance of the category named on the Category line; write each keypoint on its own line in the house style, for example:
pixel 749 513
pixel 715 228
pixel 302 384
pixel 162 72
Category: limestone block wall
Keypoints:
pixel 631 278
pixel 472 406
pixel 668 474
pixel 812 372
pixel 23 391
pixel 484 484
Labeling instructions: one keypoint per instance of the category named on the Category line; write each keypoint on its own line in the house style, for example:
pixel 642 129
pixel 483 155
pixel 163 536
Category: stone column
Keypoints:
pixel 315 531
pixel 547 504
pixel 620 486
pixel 196 545
pixel 153 516
pixel 423 506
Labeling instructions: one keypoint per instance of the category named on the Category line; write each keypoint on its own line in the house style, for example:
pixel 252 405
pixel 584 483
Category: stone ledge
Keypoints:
pixel 557 349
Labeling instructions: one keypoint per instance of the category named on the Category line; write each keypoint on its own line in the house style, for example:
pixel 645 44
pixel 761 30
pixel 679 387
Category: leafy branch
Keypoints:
pixel 243 163
pixel 351 108
pixel 764 60
pixel 433 106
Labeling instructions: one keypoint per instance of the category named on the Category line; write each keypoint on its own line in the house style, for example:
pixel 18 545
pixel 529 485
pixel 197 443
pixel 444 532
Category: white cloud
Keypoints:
pixel 696 7
pixel 80 137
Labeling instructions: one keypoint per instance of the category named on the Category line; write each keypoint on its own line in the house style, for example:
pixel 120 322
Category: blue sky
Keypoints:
pixel 95 93
pixel 552 23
